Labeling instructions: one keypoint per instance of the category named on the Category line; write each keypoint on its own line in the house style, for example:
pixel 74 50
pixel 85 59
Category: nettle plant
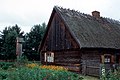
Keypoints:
pixel 111 74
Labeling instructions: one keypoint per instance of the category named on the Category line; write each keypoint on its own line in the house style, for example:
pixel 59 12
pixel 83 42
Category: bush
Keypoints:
pixel 3 75
pixel 6 65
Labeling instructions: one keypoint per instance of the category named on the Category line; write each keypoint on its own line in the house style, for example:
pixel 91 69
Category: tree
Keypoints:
pixel 30 46
pixel 32 41
pixel 8 41
pixel 0 43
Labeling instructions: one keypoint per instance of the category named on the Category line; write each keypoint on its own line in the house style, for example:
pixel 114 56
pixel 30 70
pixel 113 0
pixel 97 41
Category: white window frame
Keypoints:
pixel 107 58
pixel 49 57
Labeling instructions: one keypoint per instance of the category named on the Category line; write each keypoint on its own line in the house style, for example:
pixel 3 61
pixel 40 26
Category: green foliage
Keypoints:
pixel 30 47
pixel 6 65
pixel 22 60
pixel 3 75
pixel 32 41
pixel 111 75
pixel 8 42
pixel 24 73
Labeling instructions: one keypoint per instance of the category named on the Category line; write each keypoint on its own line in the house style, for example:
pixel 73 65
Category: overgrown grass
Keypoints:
pixel 36 73
pixel 6 65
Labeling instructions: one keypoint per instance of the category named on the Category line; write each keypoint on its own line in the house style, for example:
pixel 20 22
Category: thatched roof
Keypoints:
pixel 91 32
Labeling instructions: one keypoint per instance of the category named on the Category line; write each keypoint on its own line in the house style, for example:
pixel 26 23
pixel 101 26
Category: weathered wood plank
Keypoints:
pixel 90 62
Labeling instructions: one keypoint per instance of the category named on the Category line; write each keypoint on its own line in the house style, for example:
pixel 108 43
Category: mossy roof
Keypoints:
pixel 91 32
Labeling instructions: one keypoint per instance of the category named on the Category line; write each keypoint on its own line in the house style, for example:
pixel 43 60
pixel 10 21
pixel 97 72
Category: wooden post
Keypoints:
pixel 19 47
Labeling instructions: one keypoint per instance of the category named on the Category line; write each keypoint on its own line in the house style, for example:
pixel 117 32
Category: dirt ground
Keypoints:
pixel 90 78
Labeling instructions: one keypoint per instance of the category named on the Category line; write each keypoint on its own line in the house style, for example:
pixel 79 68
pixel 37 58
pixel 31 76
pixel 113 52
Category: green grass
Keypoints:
pixel 24 73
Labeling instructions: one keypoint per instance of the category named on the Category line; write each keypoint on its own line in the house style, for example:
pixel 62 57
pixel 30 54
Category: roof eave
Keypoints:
pixel 47 28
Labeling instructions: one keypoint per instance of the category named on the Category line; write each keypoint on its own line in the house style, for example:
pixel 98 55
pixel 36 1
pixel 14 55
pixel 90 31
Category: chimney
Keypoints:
pixel 96 14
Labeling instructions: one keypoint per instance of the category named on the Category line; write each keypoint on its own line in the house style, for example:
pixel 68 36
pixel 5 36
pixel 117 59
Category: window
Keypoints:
pixel 106 58
pixel 49 57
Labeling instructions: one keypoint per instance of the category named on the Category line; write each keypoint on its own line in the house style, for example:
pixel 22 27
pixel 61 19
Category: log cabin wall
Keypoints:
pixel 90 61
pixel 58 37
pixel 62 44
pixel 69 59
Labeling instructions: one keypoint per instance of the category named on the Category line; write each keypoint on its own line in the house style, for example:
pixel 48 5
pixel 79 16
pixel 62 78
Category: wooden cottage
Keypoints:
pixel 80 41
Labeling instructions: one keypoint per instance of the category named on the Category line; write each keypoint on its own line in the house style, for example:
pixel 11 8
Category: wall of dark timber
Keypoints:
pixel 58 37
pixel 90 61
pixel 68 59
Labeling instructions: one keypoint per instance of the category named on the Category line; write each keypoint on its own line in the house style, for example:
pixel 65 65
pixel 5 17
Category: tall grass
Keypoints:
pixel 37 73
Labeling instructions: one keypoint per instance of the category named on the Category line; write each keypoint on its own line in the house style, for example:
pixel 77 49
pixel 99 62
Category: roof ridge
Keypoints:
pixel 74 12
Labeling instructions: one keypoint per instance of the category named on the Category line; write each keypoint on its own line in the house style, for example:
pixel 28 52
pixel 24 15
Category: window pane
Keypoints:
pixel 105 59
pixel 50 57
pixel 108 59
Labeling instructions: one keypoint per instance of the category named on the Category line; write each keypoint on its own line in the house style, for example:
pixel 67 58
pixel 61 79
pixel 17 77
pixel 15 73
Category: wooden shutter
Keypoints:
pixel 112 59
pixel 102 59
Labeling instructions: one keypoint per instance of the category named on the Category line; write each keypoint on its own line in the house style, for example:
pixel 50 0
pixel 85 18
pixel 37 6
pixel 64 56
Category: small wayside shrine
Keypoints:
pixel 80 41
pixel 19 47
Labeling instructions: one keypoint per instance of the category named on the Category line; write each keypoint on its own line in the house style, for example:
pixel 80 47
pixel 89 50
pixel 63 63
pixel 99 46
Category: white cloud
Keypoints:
pixel 30 12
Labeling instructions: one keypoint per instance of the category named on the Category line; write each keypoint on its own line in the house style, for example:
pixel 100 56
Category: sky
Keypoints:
pixel 27 13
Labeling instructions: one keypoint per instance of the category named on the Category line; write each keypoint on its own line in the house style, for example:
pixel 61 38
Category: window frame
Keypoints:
pixel 106 58
pixel 49 57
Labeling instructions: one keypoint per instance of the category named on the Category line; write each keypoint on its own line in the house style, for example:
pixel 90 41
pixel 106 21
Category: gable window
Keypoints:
pixel 49 57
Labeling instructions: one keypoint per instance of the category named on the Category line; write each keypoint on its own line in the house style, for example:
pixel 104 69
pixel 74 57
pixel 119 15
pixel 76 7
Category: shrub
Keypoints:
pixel 6 65
pixel 3 75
